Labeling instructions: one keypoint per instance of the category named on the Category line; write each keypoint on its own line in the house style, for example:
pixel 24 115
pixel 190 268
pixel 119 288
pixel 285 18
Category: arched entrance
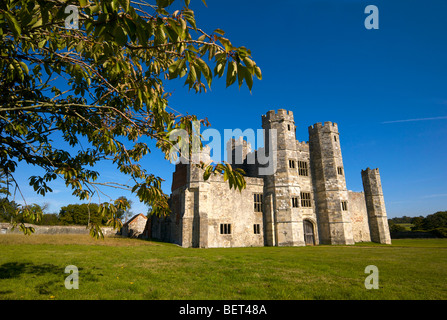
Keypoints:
pixel 309 237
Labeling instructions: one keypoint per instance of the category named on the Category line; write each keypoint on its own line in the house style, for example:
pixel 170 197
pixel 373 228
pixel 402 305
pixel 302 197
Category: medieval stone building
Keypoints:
pixel 136 227
pixel 304 201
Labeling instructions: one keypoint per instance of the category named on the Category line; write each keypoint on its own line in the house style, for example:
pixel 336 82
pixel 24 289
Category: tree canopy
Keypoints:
pixel 83 214
pixel 95 71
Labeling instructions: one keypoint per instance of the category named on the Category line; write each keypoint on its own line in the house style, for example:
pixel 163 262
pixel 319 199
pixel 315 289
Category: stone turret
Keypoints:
pixel 284 223
pixel 237 150
pixel 330 190
pixel 375 206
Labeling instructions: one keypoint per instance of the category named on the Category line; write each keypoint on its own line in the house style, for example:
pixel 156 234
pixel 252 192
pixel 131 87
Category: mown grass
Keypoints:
pixel 118 268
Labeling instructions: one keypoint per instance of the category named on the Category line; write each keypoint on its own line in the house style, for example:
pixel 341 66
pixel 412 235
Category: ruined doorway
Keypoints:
pixel 309 237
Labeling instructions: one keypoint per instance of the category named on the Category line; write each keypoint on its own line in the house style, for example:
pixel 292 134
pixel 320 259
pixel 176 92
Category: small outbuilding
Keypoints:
pixel 135 227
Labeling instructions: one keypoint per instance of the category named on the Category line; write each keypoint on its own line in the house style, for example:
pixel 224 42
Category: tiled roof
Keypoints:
pixel 135 217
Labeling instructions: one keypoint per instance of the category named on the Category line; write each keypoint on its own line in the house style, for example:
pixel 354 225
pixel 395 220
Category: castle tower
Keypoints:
pixel 283 222
pixel 330 191
pixel 237 150
pixel 375 206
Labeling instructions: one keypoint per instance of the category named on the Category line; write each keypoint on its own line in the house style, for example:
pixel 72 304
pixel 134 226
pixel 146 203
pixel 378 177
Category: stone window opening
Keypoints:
pixel 288 127
pixel 302 168
pixel 291 164
pixel 335 138
pixel 257 229
pixel 340 170
pixel 305 199
pixel 225 228
pixel 258 202
pixel 344 205
pixel 295 202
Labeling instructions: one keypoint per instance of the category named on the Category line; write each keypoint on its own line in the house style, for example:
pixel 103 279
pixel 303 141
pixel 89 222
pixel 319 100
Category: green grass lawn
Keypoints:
pixel 117 268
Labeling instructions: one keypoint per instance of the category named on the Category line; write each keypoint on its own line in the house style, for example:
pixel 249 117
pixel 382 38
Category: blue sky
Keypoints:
pixel 386 89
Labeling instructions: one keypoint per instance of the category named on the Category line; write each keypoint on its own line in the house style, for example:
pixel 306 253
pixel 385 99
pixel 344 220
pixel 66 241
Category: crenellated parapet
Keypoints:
pixel 328 126
pixel 277 116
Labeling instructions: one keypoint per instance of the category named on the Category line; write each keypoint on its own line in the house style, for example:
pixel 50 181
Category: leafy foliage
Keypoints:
pixel 18 215
pixel 435 223
pixel 81 214
pixel 104 83
pixel 435 220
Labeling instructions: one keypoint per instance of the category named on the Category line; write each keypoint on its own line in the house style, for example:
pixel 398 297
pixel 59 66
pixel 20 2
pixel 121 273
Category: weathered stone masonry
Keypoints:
pixel 304 202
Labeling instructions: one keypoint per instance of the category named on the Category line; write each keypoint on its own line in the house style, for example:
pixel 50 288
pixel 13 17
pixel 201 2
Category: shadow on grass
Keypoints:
pixel 51 276
pixel 13 270
pixel 16 269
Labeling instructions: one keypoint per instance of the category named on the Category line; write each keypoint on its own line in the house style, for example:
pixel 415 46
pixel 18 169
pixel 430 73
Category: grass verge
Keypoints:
pixel 117 268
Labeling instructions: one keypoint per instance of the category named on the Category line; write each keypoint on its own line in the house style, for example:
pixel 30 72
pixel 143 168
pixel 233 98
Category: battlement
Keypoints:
pixel 237 150
pixel 371 181
pixel 239 142
pixel 280 115
pixel 369 171
pixel 328 126
pixel 302 145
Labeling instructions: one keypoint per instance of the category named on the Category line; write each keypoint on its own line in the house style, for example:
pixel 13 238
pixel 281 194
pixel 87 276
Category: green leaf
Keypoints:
pixel 83 3
pixel 125 4
pixel 226 43
pixel 231 73
pixel 189 16
pixel 24 66
pixel 220 68
pixel 120 36
pixel 13 24
pixel 175 68
pixel 205 69
pixel 248 79
pixel 219 31
pixel 241 70
pixel 258 72
pixel 41 44
pixel 249 63
pixel 164 3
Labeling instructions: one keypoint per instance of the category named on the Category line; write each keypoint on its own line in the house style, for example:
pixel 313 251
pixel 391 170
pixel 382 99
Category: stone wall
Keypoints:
pixel 359 216
pixel 375 206
pixel 6 228
pixel 236 209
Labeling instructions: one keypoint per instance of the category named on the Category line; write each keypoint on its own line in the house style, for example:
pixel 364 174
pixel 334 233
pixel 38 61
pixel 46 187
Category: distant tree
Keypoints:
pixel 435 220
pixel 396 228
pixel 49 219
pixel 17 214
pixel 124 212
pixel 81 214
pixel 8 210
pixel 417 223
pixel 115 61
